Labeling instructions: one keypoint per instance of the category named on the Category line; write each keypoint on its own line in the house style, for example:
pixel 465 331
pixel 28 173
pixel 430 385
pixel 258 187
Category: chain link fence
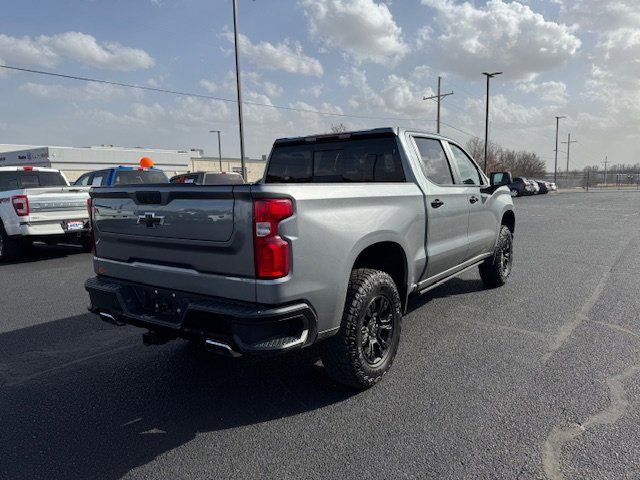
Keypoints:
pixel 596 180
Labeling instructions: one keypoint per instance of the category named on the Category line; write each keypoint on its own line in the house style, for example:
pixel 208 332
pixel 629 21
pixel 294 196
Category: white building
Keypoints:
pixel 74 161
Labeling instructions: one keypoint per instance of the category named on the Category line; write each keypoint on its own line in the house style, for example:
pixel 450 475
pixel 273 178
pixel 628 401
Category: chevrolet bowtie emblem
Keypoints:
pixel 150 220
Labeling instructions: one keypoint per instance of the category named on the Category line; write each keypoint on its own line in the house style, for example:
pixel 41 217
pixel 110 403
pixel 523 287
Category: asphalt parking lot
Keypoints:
pixel 538 379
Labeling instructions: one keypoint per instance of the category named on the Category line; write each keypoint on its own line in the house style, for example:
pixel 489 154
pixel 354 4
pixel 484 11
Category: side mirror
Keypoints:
pixel 498 179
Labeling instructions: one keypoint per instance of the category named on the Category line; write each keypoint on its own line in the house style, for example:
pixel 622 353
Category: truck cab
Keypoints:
pixel 122 175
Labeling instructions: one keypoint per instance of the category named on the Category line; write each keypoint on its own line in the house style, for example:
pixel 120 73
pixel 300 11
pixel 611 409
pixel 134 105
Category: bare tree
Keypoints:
pixel 338 128
pixel 475 146
pixel 519 163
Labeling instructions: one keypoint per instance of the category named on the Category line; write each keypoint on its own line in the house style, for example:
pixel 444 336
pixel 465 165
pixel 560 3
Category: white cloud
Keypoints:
pixel 271 89
pixel 49 51
pixel 501 36
pixel 209 86
pixel 398 96
pixel 363 29
pixel 313 90
pixel 283 56
pixel 89 92
pixel 601 16
pixel 504 112
pixel 252 81
pixel 552 91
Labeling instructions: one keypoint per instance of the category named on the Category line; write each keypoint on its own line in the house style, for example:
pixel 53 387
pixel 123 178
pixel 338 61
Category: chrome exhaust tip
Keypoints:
pixel 215 346
pixel 110 319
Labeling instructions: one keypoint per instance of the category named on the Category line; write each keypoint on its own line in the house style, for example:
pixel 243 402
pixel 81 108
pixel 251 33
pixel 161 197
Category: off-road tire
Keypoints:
pixel 495 270
pixel 343 355
pixel 10 248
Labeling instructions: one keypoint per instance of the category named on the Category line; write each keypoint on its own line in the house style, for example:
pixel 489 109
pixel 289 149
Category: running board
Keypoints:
pixel 420 291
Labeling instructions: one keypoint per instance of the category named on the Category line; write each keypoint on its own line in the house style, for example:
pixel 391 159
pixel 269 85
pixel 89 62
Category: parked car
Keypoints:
pixel 328 248
pixel 37 204
pixel 535 188
pixel 543 186
pixel 209 178
pixel 122 176
pixel 552 187
pixel 520 187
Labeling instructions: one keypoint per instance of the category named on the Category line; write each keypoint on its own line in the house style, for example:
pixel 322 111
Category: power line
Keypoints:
pixel 209 97
pixel 229 100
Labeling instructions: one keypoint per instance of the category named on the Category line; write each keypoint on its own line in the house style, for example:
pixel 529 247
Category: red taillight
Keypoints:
pixel 92 239
pixel 272 255
pixel 27 169
pixel 20 205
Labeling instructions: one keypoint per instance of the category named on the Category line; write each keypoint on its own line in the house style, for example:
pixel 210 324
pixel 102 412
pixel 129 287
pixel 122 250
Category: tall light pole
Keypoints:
pixel 239 86
pixel 486 120
pixel 555 166
pixel 219 147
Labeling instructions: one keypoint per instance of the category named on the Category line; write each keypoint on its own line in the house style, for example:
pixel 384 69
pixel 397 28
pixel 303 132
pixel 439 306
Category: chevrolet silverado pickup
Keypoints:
pixel 327 247
pixel 38 204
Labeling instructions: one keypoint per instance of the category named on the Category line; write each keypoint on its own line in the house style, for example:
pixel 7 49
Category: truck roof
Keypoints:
pixel 28 169
pixel 383 131
pixel 123 167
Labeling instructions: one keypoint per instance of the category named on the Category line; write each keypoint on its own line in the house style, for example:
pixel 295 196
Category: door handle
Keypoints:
pixel 437 203
pixel 473 199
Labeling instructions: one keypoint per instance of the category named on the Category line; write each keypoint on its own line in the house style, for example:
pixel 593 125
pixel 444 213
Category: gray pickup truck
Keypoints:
pixel 327 248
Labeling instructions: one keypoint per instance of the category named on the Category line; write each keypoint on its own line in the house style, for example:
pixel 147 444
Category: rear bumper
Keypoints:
pixel 46 228
pixel 245 327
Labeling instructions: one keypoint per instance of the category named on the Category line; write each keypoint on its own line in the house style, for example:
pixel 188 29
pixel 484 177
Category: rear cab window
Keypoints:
pixel 139 177
pixel 30 179
pixel 348 160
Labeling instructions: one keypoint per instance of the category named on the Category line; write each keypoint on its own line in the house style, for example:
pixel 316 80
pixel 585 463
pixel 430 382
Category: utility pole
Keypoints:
pixel 605 170
pixel 569 142
pixel 438 98
pixel 219 147
pixel 555 165
pixel 486 120
pixel 239 87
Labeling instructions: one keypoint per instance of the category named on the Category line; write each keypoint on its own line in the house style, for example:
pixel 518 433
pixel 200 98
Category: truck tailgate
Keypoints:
pixel 178 236
pixel 57 203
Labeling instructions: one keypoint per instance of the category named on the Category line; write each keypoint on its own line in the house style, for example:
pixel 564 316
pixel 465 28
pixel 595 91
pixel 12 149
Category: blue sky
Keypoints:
pixel 364 58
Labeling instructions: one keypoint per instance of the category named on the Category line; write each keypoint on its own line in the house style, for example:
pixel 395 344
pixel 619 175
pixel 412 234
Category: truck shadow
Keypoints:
pixel 82 399
pixel 453 287
pixel 41 251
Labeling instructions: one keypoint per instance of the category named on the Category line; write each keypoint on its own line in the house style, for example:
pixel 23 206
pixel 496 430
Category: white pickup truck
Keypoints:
pixel 37 204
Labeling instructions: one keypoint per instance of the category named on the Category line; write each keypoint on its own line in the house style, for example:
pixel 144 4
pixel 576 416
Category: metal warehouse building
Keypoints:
pixel 74 161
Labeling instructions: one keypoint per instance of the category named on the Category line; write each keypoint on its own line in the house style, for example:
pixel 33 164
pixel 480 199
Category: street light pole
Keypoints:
pixel 486 120
pixel 555 166
pixel 219 147
pixel 239 87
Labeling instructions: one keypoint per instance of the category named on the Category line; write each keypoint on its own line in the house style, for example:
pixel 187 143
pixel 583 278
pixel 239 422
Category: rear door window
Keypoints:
pixel 434 161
